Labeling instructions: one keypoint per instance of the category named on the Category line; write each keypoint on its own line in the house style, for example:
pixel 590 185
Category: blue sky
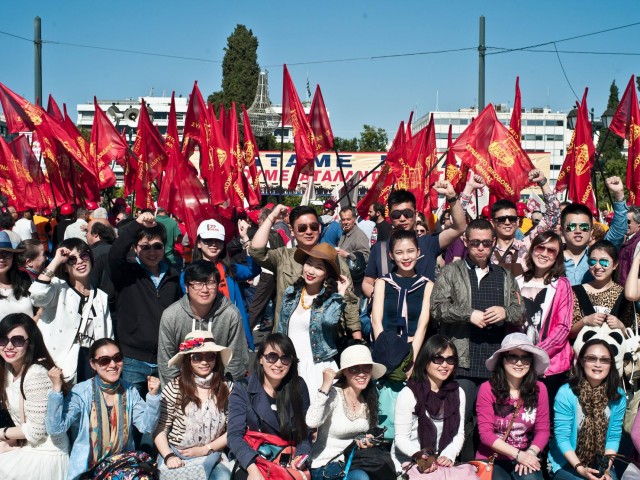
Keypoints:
pixel 380 92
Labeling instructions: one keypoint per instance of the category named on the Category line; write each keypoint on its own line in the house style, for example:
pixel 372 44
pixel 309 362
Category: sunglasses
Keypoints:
pixel 151 246
pixel 406 213
pixel 106 361
pixel 314 226
pixel 17 341
pixel 604 262
pixel 512 358
pixel 358 369
pixel 594 359
pixel 210 242
pixel 72 260
pixel 205 356
pixel 273 357
pixel 504 218
pixel 4 254
pixel 477 243
pixel 541 250
pixel 572 227
pixel 439 360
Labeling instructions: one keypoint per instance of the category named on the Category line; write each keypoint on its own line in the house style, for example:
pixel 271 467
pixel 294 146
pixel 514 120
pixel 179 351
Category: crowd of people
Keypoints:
pixel 322 345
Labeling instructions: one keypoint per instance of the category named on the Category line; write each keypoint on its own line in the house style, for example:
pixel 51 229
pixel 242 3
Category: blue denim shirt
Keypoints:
pixel 75 409
pixel 322 325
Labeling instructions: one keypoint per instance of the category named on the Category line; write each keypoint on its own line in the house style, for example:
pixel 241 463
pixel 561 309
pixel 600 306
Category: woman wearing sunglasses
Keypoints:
pixel 588 415
pixel 343 411
pixel 311 310
pixel 274 400
pixel 548 300
pixel 26 451
pixel 513 409
pixel 439 426
pixel 101 410
pixel 602 299
pixel 74 312
pixel 193 419
pixel 14 283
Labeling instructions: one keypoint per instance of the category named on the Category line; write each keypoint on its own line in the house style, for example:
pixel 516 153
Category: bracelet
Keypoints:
pixel 4 433
pixel 452 200
pixel 542 182
pixel 578 465
pixel 209 449
pixel 168 456
pixel 49 273
pixel 326 394
pixel 517 454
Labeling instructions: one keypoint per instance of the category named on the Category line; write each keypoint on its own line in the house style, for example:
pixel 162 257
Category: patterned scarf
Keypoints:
pixel 108 433
pixel 592 434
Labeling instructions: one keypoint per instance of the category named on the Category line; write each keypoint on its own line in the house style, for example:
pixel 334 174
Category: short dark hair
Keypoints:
pixel 98 344
pixel 399 235
pixel 31 251
pixel 479 224
pixel 6 221
pixel 106 233
pixel 378 207
pixel 348 209
pixel 503 204
pixel 81 211
pixel 433 346
pixel 81 246
pixel 200 271
pixel 157 231
pixel 575 209
pixel 401 196
pixel 297 212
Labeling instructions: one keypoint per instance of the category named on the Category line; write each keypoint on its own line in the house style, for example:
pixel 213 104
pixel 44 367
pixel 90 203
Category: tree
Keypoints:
pixel 345 144
pixel 372 139
pixel 240 70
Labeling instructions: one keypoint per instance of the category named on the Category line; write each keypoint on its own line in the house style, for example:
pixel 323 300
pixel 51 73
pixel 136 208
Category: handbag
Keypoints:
pixel 194 469
pixel 632 355
pixel 275 457
pixel 464 471
pixel 136 465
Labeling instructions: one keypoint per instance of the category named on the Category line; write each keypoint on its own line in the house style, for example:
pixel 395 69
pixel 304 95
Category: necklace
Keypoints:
pixel 305 307
pixel 353 404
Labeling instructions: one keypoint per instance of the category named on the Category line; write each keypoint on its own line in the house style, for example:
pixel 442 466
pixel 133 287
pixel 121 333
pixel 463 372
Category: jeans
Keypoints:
pixel 136 372
pixel 332 471
pixel 217 472
pixel 568 473
pixel 505 470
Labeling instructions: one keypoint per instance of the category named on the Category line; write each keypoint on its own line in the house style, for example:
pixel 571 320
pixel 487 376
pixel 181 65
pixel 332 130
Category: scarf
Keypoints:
pixel 223 286
pixel 203 382
pixel 108 432
pixel 402 316
pixel 441 405
pixel 592 435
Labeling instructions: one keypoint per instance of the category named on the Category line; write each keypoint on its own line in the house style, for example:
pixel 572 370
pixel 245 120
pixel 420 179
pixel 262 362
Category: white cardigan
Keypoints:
pixel 60 321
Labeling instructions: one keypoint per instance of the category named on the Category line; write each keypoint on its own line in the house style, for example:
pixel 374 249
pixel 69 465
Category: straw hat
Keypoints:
pixel 322 251
pixel 200 341
pixel 360 355
pixel 520 341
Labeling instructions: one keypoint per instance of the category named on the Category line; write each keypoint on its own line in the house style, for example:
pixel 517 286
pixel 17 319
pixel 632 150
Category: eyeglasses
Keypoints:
pixel 512 358
pixel 572 227
pixel 106 361
pixel 604 262
pixel 273 357
pixel 72 260
pixel 151 246
pixel 5 254
pixel 594 359
pixel 17 341
pixel 406 213
pixel 358 369
pixel 210 242
pixel 439 360
pixel 314 226
pixel 204 356
pixel 197 286
pixel 541 250
pixel 477 243
pixel 504 218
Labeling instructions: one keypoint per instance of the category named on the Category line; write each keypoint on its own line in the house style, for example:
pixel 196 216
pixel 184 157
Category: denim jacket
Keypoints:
pixel 75 409
pixel 322 325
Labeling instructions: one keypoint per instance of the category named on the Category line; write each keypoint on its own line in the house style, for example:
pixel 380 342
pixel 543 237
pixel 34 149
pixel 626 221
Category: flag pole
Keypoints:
pixel 361 180
pixel 344 180
pixel 280 192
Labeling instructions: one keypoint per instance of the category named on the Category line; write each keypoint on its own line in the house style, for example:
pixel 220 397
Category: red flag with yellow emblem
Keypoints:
pixel 251 156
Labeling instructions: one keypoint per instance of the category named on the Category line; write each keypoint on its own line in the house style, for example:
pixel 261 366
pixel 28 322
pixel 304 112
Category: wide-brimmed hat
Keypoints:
pixel 322 251
pixel 6 245
pixel 520 341
pixel 200 341
pixel 211 229
pixel 360 355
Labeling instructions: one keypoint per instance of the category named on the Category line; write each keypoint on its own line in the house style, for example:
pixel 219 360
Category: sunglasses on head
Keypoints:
pixel 314 226
pixel 151 246
pixel 542 249
pixel 105 361
pixel 604 262
pixel 477 243
pixel 17 341
pixel 406 213
pixel 206 356
pixel 273 357
pixel 358 369
pixel 72 260
pixel 572 227
pixel 504 218
pixel 512 358
pixel 439 360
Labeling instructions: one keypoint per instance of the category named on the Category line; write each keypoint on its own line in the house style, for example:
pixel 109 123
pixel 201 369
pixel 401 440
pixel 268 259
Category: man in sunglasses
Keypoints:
pixel 577 220
pixel 306 230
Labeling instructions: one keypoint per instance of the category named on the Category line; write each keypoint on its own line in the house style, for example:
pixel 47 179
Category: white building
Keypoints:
pixel 543 131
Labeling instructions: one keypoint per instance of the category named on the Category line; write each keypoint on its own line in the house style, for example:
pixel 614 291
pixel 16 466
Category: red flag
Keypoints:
pixel 319 122
pixel 429 194
pixel 490 150
pixel 38 193
pixel 409 132
pixel 192 129
pixel 515 127
pixel 457 176
pixel 239 183
pixel 303 137
pixel 251 156
pixel 626 124
pixel 106 146
pixel 575 174
pixel 21 115
pixel 54 110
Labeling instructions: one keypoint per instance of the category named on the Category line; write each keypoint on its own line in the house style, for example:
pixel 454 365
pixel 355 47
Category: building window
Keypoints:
pixel 554 123
pixel 533 123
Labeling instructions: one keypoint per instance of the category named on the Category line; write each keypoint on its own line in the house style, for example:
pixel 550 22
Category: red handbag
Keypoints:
pixel 279 467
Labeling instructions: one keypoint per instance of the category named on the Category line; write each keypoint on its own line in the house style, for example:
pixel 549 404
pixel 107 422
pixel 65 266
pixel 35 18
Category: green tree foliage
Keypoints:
pixel 240 70
pixel 346 144
pixel 267 142
pixel 372 139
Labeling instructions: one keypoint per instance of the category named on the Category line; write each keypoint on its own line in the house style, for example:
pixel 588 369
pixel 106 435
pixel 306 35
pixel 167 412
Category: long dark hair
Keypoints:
pixel 557 269
pixel 36 354
pixel 189 391
pixel 612 382
pixel 330 287
pixel 289 392
pixel 370 394
pixel 500 388
pixel 432 347
pixel 19 280
pixel 222 257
